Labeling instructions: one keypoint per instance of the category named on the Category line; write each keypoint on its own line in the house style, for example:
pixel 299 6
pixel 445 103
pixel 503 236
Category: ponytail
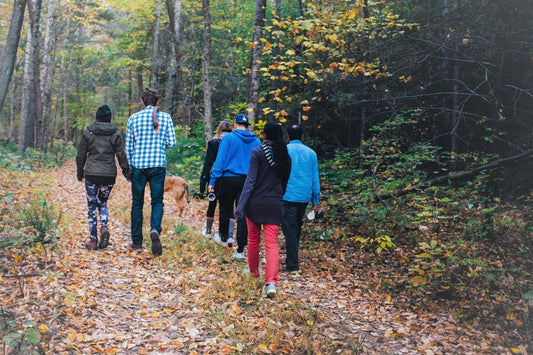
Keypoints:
pixel 154 118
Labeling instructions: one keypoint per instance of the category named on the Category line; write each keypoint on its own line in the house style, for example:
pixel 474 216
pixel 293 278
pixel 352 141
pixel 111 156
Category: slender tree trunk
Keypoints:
pixel 276 53
pixel 26 125
pixel 47 72
pixel 65 86
pixel 140 84
pixel 255 75
pixel 35 12
pixel 155 53
pixel 12 111
pixel 206 59
pixel 9 53
pixel 174 15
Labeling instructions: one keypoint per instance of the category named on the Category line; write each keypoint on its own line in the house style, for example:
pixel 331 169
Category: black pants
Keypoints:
pixel 228 194
pixel 293 213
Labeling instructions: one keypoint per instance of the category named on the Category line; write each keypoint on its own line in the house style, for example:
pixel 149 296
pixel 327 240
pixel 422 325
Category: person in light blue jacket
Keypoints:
pixel 303 186
pixel 228 175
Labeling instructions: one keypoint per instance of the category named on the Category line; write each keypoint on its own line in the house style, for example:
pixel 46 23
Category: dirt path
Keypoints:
pixel 118 301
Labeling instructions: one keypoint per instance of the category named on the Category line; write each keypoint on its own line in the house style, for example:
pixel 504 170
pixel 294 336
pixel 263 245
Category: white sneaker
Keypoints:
pixel 239 256
pixel 217 240
pixel 207 235
pixel 229 242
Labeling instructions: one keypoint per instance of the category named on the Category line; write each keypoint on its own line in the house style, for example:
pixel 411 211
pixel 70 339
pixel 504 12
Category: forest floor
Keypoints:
pixel 196 299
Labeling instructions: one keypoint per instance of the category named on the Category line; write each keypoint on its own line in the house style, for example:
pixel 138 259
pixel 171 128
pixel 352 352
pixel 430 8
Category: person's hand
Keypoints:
pixel 211 189
pixel 82 180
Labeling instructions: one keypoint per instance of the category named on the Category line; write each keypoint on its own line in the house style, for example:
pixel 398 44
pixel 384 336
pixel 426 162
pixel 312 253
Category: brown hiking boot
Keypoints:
pixel 104 237
pixel 157 248
pixel 91 243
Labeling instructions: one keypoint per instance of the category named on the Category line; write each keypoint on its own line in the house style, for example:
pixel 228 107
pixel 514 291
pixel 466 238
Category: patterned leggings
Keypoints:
pixel 97 196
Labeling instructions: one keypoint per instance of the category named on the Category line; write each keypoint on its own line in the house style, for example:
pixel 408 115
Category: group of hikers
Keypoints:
pixel 258 185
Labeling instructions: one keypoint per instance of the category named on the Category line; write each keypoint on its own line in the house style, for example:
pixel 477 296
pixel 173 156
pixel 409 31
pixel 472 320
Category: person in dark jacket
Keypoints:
pixel 262 202
pixel 210 156
pixel 95 161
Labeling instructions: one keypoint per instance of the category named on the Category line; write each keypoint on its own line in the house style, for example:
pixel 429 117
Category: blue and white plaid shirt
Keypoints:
pixel 145 148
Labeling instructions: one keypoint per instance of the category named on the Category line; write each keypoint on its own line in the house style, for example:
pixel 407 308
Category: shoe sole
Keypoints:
pixel 104 242
pixel 157 248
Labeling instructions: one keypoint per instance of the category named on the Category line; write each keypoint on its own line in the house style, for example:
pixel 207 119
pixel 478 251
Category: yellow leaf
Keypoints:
pixel 516 351
pixel 43 328
pixel 18 259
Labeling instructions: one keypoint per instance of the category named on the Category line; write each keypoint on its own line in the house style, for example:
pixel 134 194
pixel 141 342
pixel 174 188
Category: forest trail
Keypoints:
pixel 118 301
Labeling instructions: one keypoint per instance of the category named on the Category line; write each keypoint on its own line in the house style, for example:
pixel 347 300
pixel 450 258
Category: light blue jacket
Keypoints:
pixel 233 158
pixel 304 184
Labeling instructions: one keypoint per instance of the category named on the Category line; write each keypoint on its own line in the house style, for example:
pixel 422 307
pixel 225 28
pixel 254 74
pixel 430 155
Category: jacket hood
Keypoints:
pixel 244 135
pixel 102 128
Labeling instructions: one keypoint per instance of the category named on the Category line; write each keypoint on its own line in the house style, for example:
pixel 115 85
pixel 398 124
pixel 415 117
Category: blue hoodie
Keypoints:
pixel 233 158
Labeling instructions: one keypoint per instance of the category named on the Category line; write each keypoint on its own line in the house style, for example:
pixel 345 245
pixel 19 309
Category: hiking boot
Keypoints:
pixel 229 242
pixel 157 248
pixel 136 246
pixel 104 237
pixel 91 243
pixel 239 256
pixel 207 235
pixel 269 291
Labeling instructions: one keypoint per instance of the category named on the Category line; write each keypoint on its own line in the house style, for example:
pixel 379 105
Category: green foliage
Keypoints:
pixel 43 219
pixel 186 159
pixel 22 339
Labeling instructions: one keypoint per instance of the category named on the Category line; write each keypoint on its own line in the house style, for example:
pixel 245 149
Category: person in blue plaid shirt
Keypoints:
pixel 148 134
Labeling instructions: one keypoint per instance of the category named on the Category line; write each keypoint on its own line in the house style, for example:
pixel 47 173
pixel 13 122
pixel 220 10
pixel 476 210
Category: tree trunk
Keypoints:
pixel 255 75
pixel 11 129
pixel 35 12
pixel 9 53
pixel 275 53
pixel 47 72
pixel 174 15
pixel 155 53
pixel 26 115
pixel 206 59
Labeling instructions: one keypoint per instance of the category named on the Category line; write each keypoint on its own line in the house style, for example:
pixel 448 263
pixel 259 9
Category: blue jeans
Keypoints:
pixel 291 226
pixel 156 178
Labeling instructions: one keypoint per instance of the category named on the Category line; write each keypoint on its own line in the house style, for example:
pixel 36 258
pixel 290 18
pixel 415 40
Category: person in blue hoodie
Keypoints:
pixel 229 173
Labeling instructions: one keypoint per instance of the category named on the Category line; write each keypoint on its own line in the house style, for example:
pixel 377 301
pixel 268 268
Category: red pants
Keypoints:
pixel 272 251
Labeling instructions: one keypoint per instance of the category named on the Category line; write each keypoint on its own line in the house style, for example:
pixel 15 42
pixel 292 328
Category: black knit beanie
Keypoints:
pixel 103 114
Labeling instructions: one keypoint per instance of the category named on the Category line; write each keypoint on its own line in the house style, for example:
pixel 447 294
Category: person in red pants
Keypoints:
pixel 261 202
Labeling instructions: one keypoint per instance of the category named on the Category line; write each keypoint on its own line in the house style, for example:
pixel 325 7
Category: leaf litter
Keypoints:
pixel 195 299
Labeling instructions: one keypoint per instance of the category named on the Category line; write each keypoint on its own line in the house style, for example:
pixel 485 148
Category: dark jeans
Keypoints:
pixel 291 226
pixel 139 177
pixel 229 192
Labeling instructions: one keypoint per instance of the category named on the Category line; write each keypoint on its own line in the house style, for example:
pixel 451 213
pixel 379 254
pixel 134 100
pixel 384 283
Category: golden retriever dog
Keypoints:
pixel 179 190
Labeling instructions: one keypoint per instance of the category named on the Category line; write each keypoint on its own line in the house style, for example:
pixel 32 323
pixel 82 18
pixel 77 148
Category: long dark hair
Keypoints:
pixel 274 132
pixel 150 97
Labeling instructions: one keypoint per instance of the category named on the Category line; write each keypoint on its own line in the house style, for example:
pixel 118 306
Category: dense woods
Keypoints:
pixel 421 113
